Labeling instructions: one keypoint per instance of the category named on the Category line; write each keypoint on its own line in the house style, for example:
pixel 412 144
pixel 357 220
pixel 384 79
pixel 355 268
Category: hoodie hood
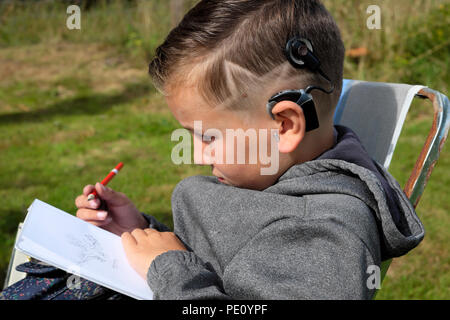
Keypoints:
pixel 399 227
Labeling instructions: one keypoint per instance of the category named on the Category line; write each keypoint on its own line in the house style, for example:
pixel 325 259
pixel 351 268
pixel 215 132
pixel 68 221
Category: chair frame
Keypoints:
pixel 429 154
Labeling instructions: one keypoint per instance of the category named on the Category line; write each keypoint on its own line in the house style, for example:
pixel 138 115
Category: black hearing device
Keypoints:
pixel 299 52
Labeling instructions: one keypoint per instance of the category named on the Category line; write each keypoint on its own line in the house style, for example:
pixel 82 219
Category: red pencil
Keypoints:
pixel 105 181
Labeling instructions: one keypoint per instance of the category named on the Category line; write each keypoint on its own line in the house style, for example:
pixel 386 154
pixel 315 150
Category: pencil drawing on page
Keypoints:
pixel 89 248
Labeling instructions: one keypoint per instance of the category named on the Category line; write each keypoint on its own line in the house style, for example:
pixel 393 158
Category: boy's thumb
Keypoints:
pixel 112 197
pixel 104 193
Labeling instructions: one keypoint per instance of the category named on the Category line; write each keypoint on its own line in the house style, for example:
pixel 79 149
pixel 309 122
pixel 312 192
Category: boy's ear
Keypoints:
pixel 291 124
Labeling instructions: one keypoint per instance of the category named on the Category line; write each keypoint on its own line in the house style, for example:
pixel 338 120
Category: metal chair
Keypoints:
pixel 377 111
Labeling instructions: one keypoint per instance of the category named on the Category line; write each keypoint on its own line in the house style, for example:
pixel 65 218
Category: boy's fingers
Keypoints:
pixel 88 214
pixel 100 223
pixel 138 234
pixel 149 231
pixel 82 202
pixel 128 241
pixel 88 189
pixel 79 201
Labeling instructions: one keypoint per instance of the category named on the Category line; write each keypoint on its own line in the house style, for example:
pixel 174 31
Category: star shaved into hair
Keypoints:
pixel 247 88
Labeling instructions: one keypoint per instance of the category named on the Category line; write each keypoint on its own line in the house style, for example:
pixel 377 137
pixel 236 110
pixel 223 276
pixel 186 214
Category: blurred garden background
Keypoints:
pixel 73 103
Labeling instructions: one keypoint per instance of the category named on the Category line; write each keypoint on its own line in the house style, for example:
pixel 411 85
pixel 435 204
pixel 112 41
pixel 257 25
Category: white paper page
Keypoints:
pixel 71 244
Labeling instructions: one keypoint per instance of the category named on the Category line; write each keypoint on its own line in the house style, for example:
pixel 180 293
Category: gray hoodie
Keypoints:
pixel 311 235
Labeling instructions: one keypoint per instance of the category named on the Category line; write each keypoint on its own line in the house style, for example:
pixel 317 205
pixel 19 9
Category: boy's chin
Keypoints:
pixel 236 185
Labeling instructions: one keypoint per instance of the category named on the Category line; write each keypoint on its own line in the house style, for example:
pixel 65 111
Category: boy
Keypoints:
pixel 310 230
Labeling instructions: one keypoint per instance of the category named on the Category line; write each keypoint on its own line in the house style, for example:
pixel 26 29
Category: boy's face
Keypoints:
pixel 190 111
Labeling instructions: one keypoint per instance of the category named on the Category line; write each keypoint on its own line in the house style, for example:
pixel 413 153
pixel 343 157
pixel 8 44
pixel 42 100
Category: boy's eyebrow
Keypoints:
pixel 188 128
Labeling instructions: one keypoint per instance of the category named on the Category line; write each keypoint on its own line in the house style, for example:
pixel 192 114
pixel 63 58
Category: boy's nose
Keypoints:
pixel 200 156
pixel 207 157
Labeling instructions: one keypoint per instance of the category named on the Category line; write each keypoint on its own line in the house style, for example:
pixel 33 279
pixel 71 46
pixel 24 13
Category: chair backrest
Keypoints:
pixel 376 111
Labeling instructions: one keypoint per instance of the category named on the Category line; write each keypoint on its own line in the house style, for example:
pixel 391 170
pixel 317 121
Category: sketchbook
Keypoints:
pixel 80 248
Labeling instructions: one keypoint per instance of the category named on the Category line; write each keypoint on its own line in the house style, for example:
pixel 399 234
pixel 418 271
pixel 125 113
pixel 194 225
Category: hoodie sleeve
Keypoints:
pixel 289 259
pixel 176 275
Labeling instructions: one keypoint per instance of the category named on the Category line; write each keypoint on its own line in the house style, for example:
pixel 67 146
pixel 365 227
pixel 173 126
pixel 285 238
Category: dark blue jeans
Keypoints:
pixel 44 282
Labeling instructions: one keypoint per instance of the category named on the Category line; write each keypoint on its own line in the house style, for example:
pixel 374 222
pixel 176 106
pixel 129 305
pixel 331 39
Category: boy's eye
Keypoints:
pixel 208 138
pixel 203 137
pixel 197 135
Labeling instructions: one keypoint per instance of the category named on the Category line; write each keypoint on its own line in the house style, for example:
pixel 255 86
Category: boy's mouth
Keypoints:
pixel 221 179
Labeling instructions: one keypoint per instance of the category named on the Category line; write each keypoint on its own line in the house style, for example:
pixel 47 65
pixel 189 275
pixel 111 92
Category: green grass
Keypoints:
pixel 74 103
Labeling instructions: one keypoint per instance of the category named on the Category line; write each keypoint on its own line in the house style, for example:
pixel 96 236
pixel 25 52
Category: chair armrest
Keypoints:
pixel 429 154
pixel 433 145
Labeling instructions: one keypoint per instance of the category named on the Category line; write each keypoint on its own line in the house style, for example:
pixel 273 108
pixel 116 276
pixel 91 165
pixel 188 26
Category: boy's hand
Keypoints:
pixel 120 215
pixel 142 247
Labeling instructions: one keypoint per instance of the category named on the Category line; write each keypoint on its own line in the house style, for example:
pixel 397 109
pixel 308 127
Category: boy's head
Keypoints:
pixel 226 59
